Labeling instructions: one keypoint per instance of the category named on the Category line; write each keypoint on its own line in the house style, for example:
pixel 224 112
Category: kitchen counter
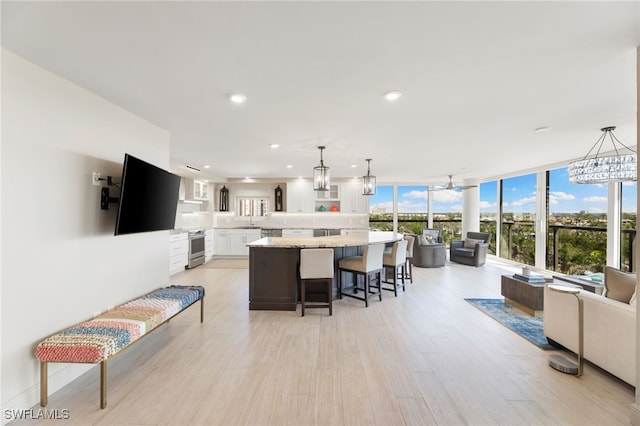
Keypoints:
pixel 273 265
pixel 332 241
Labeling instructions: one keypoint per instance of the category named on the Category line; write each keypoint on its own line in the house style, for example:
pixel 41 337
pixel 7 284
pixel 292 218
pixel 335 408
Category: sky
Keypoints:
pixel 518 196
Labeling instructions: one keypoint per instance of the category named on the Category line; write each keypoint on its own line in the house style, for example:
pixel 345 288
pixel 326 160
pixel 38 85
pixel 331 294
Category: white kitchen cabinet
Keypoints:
pixel 222 242
pixel 191 189
pixel 200 190
pixel 332 194
pixel 233 242
pixel 208 244
pixel 239 241
pixel 178 252
pixel 352 200
pixel 300 197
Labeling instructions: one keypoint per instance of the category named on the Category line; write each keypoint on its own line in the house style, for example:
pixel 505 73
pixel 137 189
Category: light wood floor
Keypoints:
pixel 426 357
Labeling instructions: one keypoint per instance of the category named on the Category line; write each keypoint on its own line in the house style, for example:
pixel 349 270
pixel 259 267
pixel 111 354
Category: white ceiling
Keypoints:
pixel 477 79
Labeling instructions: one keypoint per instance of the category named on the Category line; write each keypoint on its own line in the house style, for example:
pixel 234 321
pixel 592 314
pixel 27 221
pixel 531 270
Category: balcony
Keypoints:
pixel 570 249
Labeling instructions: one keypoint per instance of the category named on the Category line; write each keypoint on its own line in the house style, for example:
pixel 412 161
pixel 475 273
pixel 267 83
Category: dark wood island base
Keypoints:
pixel 273 265
pixel 273 277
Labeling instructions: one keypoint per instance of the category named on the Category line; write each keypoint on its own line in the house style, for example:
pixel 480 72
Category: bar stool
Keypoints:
pixel 316 265
pixel 367 265
pixel 396 259
pixel 409 267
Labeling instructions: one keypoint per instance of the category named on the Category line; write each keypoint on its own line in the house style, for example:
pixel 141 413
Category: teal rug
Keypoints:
pixel 531 328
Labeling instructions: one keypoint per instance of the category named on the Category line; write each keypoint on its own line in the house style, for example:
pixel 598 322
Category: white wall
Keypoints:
pixel 60 261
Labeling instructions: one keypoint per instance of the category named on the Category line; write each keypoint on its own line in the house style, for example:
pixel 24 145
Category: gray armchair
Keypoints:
pixel 431 255
pixel 472 251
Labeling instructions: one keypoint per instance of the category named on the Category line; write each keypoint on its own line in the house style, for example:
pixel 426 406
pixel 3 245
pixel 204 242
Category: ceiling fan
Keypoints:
pixel 451 186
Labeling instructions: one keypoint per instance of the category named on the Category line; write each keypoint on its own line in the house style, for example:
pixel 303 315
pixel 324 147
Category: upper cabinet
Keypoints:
pixel 300 197
pixel 343 197
pixel 192 189
pixel 352 200
pixel 200 190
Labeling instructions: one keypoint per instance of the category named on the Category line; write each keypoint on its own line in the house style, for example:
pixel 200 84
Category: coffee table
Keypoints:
pixel 524 295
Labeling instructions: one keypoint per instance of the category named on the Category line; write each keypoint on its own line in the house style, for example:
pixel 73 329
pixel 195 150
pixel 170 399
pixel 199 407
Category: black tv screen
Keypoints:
pixel 148 198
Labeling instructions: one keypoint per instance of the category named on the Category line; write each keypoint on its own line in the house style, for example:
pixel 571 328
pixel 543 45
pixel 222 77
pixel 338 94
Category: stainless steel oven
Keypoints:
pixel 196 248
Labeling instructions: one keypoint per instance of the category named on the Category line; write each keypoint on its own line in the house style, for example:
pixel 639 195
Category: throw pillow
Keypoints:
pixel 620 285
pixel 431 234
pixel 471 243
pixel 425 241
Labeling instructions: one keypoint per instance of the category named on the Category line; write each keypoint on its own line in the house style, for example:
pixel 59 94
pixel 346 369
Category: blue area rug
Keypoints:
pixel 531 328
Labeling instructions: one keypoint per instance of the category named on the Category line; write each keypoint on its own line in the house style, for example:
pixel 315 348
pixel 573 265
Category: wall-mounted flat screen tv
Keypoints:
pixel 148 198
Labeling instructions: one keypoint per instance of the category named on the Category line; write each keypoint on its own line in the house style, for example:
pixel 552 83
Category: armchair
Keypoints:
pixel 429 250
pixel 472 251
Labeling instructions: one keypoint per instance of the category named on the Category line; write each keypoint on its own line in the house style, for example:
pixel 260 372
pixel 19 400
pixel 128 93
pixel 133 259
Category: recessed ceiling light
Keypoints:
pixel 393 95
pixel 353 166
pixel 274 146
pixel 541 129
pixel 238 98
pixel 289 166
pixel 206 166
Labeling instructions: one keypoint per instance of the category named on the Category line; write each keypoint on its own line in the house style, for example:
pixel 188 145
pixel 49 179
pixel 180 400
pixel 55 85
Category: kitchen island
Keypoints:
pixel 273 264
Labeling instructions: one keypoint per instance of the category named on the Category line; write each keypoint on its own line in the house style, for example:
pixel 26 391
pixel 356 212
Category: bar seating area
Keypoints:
pixel 380 266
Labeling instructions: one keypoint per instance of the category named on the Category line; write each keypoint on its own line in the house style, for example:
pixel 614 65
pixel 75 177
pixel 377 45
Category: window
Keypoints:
pixel 412 209
pixel 489 211
pixel 577 225
pixel 447 213
pixel 517 231
pixel 381 209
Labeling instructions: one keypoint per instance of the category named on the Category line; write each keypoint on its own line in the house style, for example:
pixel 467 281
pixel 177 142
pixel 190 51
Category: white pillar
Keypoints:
pixel 470 207
pixel 613 225
pixel 395 208
pixel 430 209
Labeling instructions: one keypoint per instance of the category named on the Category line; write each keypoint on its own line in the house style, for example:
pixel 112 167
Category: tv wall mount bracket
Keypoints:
pixel 105 198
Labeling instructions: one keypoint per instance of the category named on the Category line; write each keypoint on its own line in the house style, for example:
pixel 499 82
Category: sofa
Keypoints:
pixel 429 250
pixel 470 251
pixel 609 323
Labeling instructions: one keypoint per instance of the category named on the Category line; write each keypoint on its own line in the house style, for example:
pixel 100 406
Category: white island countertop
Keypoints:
pixel 358 239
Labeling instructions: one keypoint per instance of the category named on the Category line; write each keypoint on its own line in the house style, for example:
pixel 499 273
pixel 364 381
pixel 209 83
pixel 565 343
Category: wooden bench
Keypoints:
pixel 107 335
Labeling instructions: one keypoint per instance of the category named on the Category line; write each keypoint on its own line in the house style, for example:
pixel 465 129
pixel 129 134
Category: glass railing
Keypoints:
pixel 571 249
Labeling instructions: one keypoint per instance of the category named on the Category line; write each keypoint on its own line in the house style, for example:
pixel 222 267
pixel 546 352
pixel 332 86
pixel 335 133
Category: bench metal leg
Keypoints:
pixel 43 385
pixel 202 310
pixel 103 384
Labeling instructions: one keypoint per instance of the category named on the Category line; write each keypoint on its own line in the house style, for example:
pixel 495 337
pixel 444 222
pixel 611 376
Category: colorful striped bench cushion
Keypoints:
pixel 100 338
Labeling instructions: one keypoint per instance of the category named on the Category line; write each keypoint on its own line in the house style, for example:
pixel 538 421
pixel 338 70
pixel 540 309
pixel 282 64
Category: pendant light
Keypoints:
pixel 608 168
pixel 321 174
pixel 368 181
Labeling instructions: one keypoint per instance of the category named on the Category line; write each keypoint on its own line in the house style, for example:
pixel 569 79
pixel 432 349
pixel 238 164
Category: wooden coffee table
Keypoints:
pixel 524 295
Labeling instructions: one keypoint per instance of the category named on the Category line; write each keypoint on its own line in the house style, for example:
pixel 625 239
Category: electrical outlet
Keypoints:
pixel 95 179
